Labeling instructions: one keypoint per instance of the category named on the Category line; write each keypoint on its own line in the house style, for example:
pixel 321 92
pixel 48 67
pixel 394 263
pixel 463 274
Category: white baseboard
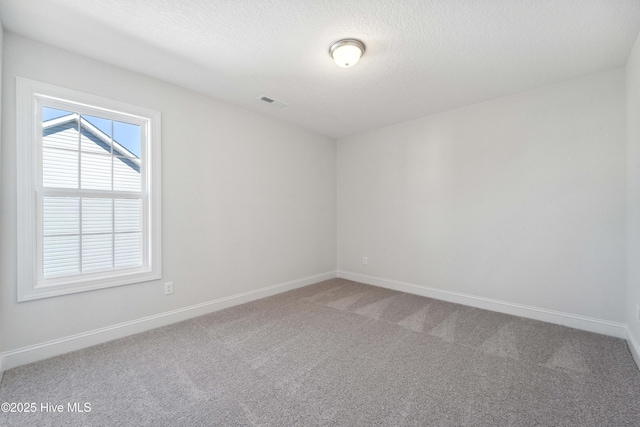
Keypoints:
pixel 634 346
pixel 33 353
pixel 605 327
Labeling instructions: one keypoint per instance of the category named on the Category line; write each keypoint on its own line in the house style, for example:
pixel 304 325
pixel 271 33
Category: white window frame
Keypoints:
pixel 30 97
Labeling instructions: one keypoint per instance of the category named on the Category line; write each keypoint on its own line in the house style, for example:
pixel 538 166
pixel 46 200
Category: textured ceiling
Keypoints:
pixel 422 57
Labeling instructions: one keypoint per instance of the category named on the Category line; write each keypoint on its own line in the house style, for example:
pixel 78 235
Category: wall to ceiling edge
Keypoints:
pixel 516 204
pixel 248 209
pixel 527 191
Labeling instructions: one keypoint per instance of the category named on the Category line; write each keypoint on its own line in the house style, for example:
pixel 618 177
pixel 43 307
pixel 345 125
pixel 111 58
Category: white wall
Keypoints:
pixel 1 180
pixel 520 199
pixel 248 201
pixel 633 193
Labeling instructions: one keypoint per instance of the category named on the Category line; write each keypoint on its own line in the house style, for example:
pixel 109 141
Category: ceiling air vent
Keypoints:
pixel 273 102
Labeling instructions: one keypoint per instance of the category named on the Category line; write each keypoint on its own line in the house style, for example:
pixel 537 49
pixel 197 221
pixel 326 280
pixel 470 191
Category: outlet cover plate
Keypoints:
pixel 168 288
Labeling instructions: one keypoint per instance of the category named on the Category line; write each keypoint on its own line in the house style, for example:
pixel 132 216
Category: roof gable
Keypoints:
pixel 92 132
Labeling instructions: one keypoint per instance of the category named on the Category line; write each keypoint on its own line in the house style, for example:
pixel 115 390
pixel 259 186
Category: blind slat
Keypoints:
pixel 61 255
pixel 128 250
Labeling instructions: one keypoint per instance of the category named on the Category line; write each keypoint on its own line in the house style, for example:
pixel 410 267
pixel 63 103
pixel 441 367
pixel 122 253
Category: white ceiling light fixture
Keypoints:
pixel 347 52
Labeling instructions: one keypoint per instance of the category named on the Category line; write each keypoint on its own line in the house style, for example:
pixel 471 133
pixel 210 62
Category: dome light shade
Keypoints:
pixel 347 52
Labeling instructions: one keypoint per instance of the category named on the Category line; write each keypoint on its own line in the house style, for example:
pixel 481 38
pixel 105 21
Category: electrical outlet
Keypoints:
pixel 168 288
pixel 364 260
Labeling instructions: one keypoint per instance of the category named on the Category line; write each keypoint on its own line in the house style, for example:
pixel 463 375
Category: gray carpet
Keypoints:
pixel 340 353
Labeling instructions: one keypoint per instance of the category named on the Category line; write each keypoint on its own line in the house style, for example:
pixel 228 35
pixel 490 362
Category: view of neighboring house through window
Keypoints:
pixel 90 230
pixel 88 192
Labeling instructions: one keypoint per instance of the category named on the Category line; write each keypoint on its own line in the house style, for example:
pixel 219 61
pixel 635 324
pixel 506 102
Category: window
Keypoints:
pixel 88 192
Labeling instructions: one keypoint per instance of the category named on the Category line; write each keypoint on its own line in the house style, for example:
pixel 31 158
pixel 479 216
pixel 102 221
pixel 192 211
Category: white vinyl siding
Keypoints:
pixel 125 176
pixel 88 234
pixel 95 221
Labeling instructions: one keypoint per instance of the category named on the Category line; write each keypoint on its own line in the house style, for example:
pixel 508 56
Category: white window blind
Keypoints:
pixel 95 222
